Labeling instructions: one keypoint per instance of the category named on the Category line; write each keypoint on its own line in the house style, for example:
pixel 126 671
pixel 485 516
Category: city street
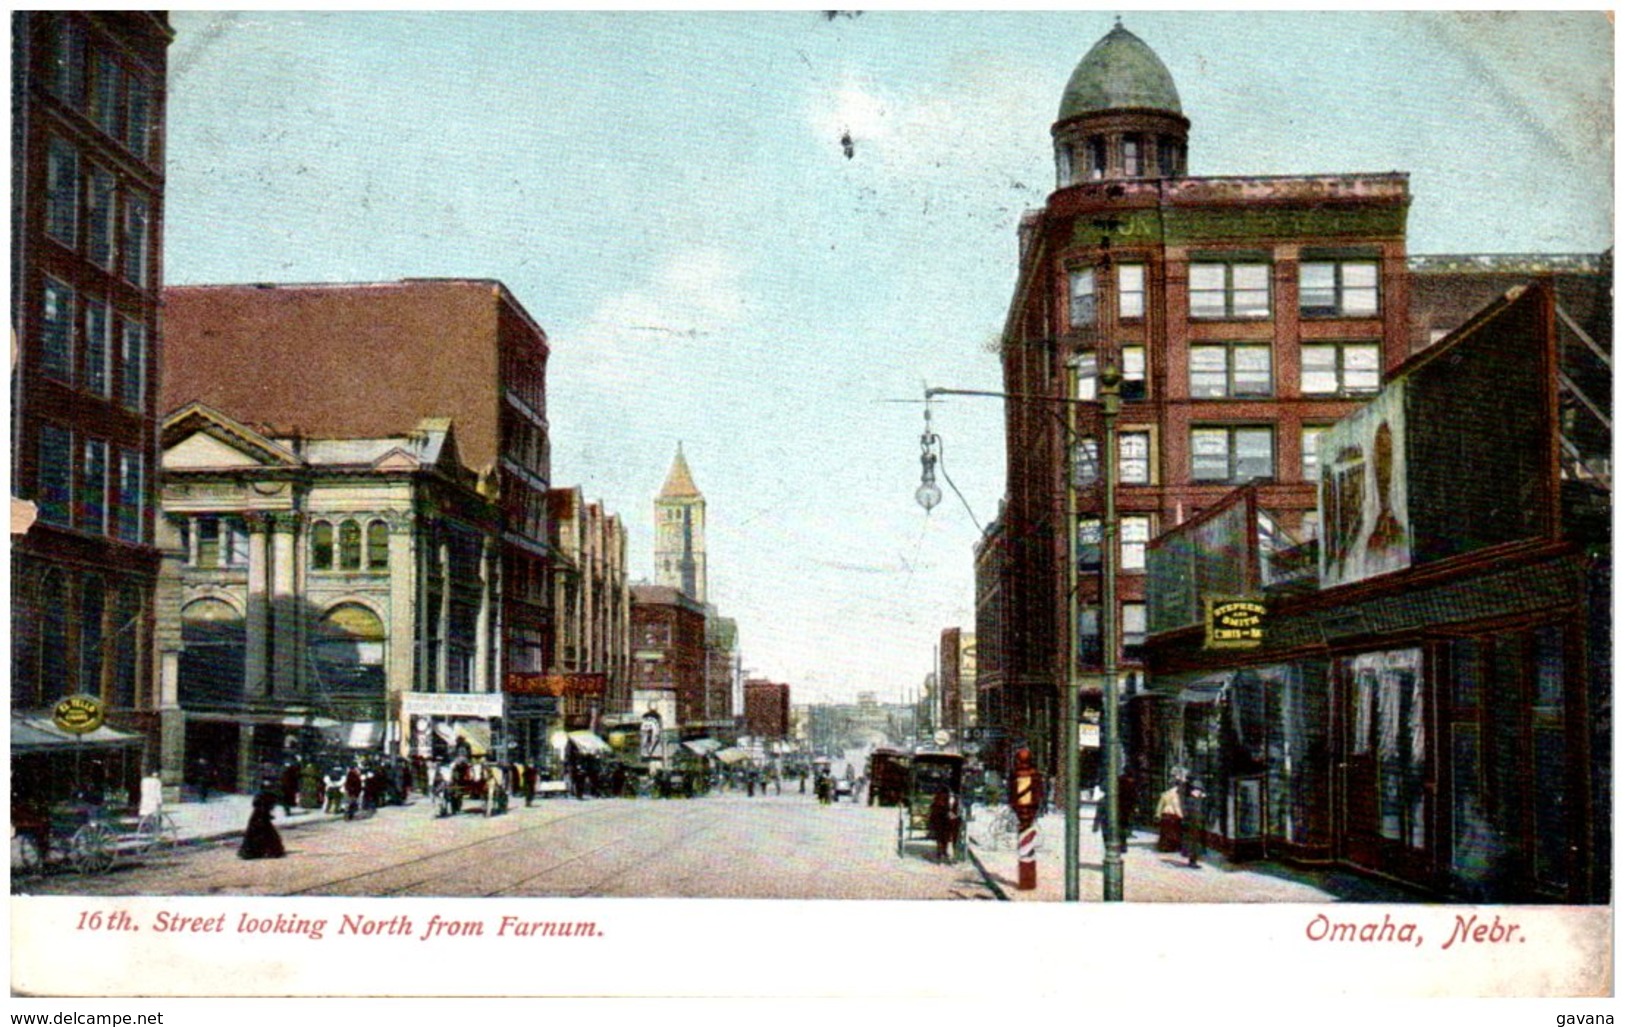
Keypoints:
pixel 720 846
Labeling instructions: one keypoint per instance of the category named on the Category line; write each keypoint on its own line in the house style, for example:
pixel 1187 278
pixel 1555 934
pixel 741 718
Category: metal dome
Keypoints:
pixel 1119 72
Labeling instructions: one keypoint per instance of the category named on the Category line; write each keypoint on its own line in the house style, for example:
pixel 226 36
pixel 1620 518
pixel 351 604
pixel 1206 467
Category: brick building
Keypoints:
pixel 767 710
pixel 668 652
pixel 1245 315
pixel 592 602
pixel 87 192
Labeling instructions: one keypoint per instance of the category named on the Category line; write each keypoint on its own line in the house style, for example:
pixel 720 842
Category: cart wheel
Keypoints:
pixel 91 849
pixel 26 858
pixel 156 835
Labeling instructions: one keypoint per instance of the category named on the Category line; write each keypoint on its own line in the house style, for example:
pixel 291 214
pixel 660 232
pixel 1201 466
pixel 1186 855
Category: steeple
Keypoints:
pixel 680 531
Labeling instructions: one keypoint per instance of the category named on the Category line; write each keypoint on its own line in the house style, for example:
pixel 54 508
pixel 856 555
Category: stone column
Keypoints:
pixel 400 671
pixel 256 670
pixel 482 623
pixel 443 617
pixel 285 612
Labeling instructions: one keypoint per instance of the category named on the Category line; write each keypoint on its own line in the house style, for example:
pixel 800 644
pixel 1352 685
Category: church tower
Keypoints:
pixel 680 532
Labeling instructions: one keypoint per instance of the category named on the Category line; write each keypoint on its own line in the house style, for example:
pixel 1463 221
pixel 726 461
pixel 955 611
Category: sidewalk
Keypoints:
pixel 225 815
pixel 1152 876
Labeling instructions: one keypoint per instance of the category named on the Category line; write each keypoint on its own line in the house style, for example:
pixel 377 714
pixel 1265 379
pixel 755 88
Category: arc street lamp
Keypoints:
pixel 929 494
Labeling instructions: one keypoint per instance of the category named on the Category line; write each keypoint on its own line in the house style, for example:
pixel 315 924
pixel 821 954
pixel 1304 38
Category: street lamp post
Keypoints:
pixel 1109 403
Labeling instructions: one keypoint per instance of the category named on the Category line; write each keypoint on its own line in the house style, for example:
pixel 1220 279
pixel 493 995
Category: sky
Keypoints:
pixel 668 195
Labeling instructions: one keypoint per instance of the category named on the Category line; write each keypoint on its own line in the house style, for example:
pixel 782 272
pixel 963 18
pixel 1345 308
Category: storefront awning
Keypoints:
pixel 357 734
pixel 733 756
pixel 702 746
pixel 1205 689
pixel 38 734
pixel 478 736
pixel 589 743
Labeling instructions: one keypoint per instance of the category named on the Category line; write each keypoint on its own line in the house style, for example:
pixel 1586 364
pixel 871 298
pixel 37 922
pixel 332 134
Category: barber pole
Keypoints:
pixel 1027 858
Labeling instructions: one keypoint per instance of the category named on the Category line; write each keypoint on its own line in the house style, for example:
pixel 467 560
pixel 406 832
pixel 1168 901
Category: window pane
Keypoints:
pixel 1207 277
pixel 56 331
pixel 1085 463
pixel 134 249
pixel 378 545
pixel 1083 298
pixel 208 542
pixel 132 364
pixel 62 192
pixel 1134 458
pixel 1361 368
pixel 1252 303
pixel 1210 454
pixel 98 348
pixel 1086 376
pixel 105 100
pixel 1208 372
pixel 1360 274
pixel 66 75
pixel 1131 290
pixel 349 546
pixel 55 483
pixel 137 128
pixel 1317 287
pixel 93 489
pixel 1133 387
pixel 1089 544
pixel 1250 277
pixel 131 498
pixel 321 546
pixel 1254 453
pixel 1311 453
pixel 1252 370
pixel 1320 369
pixel 1133 623
pixel 99 218
pixel 1135 532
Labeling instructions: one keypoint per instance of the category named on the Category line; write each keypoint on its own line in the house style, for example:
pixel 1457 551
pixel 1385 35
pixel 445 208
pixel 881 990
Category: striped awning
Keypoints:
pixel 733 756
pixel 589 743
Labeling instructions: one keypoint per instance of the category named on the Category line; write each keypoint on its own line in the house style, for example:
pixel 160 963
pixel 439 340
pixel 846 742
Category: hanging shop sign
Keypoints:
pixel 1234 623
pixel 79 714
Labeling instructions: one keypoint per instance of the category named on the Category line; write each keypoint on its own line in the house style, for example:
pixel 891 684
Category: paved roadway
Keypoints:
pixel 719 846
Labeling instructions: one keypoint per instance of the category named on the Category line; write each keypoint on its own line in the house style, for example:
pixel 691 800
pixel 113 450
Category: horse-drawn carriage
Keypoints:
pixel 930 773
pixel 462 782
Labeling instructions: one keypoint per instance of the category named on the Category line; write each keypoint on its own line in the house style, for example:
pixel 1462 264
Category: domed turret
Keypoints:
pixel 1120 115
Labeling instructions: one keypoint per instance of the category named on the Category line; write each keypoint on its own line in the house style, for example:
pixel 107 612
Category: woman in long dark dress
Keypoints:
pixel 261 840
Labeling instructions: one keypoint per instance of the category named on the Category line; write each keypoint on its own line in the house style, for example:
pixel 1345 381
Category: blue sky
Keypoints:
pixel 668 196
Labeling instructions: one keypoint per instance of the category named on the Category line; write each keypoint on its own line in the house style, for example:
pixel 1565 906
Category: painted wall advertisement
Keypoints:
pixel 1365 523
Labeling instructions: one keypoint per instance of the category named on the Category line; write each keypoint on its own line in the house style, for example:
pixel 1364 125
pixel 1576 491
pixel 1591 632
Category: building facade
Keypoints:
pixel 1243 315
pixel 1427 696
pixel 373 360
pixel 680 532
pixel 668 652
pixel 592 602
pixel 88 117
pixel 767 710
pixel 321 598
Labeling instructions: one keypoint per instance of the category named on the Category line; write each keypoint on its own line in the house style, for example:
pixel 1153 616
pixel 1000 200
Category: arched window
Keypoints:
pixel 350 546
pixel 321 546
pixel 348 651
pixel 214 648
pixel 378 546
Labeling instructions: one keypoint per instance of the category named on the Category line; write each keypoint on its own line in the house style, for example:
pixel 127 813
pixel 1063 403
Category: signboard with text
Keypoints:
pixel 1234 622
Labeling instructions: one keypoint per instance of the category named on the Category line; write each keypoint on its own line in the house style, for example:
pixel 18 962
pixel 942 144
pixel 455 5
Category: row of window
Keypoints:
pixel 87 343
pixel 90 485
pixel 1137 156
pixel 222 541
pixel 120 100
pixel 1227 453
pixel 1131 625
pixel 1238 290
pixel 1244 370
pixel 77 635
pixel 88 211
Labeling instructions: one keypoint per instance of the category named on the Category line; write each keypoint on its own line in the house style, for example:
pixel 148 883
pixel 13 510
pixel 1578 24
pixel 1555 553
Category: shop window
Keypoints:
pixel 1082 298
pixel 1341 369
pixel 1230 370
pixel 1134 458
pixel 1130 291
pixel 349 650
pixel 1346 288
pixel 1229 291
pixel 1232 454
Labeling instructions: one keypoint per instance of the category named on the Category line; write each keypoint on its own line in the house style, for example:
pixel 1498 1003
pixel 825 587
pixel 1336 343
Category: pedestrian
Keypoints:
pixel 1127 793
pixel 1170 820
pixel 372 787
pixel 352 791
pixel 943 821
pixel 403 774
pixel 333 784
pixel 1192 800
pixel 203 776
pixel 527 782
pixel 310 786
pixel 288 787
pixel 260 839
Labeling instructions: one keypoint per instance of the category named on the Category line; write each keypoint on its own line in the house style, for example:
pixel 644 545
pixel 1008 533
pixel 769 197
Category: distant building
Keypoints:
pixel 89 98
pixel 592 605
pixel 721 662
pixel 767 709
pixel 668 650
pixel 311 605
pixel 680 532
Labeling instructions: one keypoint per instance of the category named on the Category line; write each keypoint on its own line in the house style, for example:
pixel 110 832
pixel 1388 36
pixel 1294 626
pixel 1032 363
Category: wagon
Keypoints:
pixel 462 783
pixel 928 773
pixel 85 838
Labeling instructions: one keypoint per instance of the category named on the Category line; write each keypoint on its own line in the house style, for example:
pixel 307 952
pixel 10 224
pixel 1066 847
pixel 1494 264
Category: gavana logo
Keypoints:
pixel 79 714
